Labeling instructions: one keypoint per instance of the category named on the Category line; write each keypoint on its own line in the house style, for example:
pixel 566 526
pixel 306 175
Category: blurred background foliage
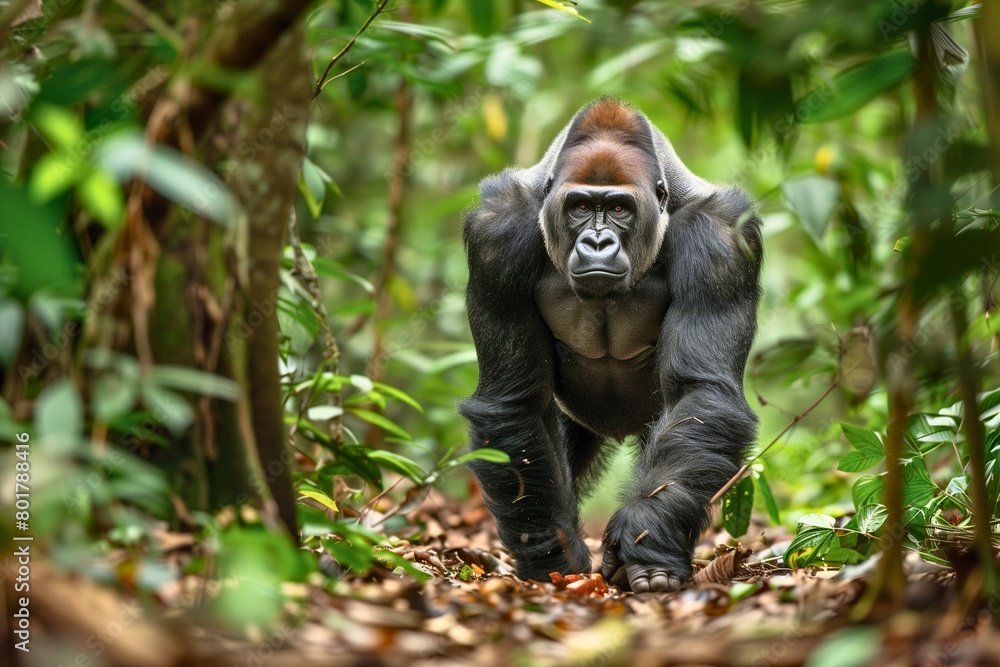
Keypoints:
pixel 859 127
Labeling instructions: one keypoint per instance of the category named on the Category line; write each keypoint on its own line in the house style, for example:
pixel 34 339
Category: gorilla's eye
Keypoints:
pixel 618 208
pixel 582 207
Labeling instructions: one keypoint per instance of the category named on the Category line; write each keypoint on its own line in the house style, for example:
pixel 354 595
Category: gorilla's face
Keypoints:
pixel 600 217
pixel 603 217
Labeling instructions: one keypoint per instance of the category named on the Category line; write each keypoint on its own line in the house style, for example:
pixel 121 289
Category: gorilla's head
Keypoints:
pixel 604 214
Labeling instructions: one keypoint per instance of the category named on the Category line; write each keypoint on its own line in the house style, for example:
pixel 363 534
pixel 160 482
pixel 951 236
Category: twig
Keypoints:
pixel 686 419
pixel 658 489
pixel 306 274
pixel 395 225
pixel 795 420
pixel 321 82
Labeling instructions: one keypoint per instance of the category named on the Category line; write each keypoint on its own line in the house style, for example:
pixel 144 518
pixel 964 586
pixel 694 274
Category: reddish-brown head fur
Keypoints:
pixel 608 115
pixel 605 145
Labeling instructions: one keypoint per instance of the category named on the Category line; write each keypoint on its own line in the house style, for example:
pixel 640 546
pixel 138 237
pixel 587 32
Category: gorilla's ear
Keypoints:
pixel 661 194
pixel 548 187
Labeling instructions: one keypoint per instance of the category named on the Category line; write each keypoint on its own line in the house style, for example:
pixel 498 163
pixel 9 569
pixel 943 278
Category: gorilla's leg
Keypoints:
pixel 532 497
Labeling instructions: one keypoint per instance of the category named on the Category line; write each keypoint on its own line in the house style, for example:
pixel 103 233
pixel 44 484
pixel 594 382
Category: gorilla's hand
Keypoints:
pixel 560 549
pixel 643 551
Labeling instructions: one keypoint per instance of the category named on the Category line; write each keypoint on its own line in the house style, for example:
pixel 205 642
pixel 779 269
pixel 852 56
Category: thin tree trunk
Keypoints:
pixel 266 184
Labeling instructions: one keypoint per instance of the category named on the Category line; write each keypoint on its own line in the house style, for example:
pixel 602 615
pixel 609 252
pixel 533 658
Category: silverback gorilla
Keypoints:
pixel 611 293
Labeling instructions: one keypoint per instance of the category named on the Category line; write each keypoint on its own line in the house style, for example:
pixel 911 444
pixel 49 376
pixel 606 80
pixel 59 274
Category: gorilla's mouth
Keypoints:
pixel 598 273
pixel 598 283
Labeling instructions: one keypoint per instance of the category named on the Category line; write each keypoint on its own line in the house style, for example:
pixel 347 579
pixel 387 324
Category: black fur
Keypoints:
pixel 551 404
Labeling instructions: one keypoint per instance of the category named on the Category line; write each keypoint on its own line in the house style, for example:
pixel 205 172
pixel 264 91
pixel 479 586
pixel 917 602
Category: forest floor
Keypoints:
pixel 741 609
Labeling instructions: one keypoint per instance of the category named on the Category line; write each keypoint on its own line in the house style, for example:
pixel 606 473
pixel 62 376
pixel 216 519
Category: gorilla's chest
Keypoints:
pixel 623 328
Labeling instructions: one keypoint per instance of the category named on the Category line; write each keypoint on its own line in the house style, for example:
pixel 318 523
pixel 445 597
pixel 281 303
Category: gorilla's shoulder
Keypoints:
pixel 732 206
pixel 507 213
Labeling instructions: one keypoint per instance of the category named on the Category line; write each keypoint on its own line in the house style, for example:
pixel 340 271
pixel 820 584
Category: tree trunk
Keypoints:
pixel 205 297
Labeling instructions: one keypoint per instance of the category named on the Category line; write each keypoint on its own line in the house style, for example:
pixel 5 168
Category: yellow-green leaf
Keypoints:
pixel 321 498
pixel 102 198
pixel 52 175
pixel 59 125
pixel 563 7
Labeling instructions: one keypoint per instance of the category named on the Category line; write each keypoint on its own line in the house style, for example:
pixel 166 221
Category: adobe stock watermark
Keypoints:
pixel 246 152
pixel 424 148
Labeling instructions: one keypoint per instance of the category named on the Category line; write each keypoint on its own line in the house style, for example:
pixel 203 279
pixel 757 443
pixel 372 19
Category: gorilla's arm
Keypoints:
pixel 698 442
pixel 512 408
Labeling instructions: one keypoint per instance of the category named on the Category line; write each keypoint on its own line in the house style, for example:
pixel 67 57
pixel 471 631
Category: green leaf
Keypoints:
pixel 36 242
pixel 809 545
pixel 841 556
pixel 381 421
pixel 487 454
pixel 168 407
pixel 764 489
pixel 59 416
pixel 11 330
pixel 324 412
pixel 616 68
pixel 312 185
pixel 851 647
pixel 817 520
pixel 855 87
pixel 915 520
pixel 993 467
pixel 362 383
pixel 918 487
pixel 863 440
pixel 925 432
pixel 452 360
pixel 126 155
pixel 782 358
pixel 507 67
pixel 399 395
pixel 737 506
pixel 75 81
pixel 112 397
pixel 357 557
pixel 482 13
pixel 398 463
pixel 52 175
pixel 813 198
pixel 195 381
pixel 331 269
pixel 136 481
pixel 740 590
pixel 353 460
pixel 856 462
pixel 989 404
pixel 59 126
pixel 867 490
pixel 871 517
pixel 102 198
pixel 869 449
pixel 321 498
pixel 394 560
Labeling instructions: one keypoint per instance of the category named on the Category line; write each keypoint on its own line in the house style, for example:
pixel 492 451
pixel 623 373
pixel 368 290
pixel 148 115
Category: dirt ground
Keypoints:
pixel 743 608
